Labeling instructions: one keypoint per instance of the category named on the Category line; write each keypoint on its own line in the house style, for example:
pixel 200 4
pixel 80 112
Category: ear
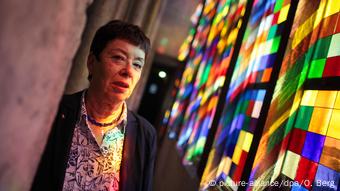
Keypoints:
pixel 91 59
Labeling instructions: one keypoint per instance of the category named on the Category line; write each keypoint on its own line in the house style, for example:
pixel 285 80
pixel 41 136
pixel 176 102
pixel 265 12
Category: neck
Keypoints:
pixel 101 109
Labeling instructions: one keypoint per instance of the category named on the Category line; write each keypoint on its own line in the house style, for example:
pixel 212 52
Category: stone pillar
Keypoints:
pixel 38 41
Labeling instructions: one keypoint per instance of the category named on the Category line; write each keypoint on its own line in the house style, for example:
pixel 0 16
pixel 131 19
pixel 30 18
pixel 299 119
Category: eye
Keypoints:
pixel 118 58
pixel 138 65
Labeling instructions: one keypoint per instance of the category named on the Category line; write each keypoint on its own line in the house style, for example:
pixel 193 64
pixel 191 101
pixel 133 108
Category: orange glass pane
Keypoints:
pixel 330 156
pixel 325 99
pixel 337 101
pixel 320 120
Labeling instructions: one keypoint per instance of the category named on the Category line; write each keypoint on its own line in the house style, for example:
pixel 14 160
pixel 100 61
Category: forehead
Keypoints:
pixel 124 46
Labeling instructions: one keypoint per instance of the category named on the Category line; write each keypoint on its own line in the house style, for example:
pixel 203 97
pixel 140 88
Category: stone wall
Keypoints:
pixel 38 40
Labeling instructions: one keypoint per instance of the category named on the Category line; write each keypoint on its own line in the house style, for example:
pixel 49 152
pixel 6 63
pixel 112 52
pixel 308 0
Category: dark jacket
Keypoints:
pixel 139 150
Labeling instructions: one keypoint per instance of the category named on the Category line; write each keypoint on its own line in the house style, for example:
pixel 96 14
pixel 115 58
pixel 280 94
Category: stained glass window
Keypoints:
pixel 300 125
pixel 282 99
pixel 254 66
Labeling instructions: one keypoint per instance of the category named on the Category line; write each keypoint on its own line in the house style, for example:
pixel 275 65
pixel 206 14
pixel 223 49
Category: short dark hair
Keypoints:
pixel 117 29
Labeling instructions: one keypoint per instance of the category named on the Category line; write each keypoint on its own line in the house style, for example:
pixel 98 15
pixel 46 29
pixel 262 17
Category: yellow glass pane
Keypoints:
pixel 290 165
pixel 325 99
pixel 334 125
pixel 320 120
pixel 221 165
pixel 227 165
pixel 283 14
pixel 309 97
pixel 333 6
pixel 237 155
pixel 247 141
pixel 337 101
pixel 241 138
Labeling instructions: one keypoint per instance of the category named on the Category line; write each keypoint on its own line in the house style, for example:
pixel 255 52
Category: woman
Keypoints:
pixel 95 142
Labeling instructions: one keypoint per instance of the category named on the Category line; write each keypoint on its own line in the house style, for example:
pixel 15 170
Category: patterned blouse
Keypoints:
pixel 91 165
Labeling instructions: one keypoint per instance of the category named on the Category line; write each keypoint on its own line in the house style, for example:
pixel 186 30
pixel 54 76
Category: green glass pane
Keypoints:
pixel 276 44
pixel 272 32
pixel 278 5
pixel 238 108
pixel 206 73
pixel 245 105
pixel 303 117
pixel 321 48
pixel 246 123
pixel 316 68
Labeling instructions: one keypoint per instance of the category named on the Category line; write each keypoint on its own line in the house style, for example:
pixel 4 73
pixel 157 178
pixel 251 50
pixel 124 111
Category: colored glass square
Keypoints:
pixel 316 68
pixel 278 5
pixel 283 14
pixel 322 47
pixel 309 97
pixel 252 126
pixel 326 179
pixel 330 156
pixel 332 67
pixel 241 138
pixel 272 32
pixel 320 120
pixel 257 109
pixel 306 172
pixel 237 155
pixel 247 141
pixel 337 101
pixel 260 95
pixel 291 164
pixel 266 75
pixel 334 125
pixel 275 45
pixel 275 18
pixel 325 99
pixel 246 123
pixel 226 165
pixel 313 146
pixel 303 117
pixel 297 140
pixel 250 108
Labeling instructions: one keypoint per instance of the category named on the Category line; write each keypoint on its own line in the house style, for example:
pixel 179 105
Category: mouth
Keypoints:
pixel 121 84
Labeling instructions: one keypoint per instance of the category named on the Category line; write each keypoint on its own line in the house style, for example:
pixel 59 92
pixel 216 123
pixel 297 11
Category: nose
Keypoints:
pixel 126 70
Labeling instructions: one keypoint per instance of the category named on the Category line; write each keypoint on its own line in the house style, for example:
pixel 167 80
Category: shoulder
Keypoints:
pixel 145 126
pixel 71 100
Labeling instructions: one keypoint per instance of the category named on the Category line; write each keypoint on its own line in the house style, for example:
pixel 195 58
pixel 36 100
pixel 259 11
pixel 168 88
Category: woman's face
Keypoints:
pixel 117 71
